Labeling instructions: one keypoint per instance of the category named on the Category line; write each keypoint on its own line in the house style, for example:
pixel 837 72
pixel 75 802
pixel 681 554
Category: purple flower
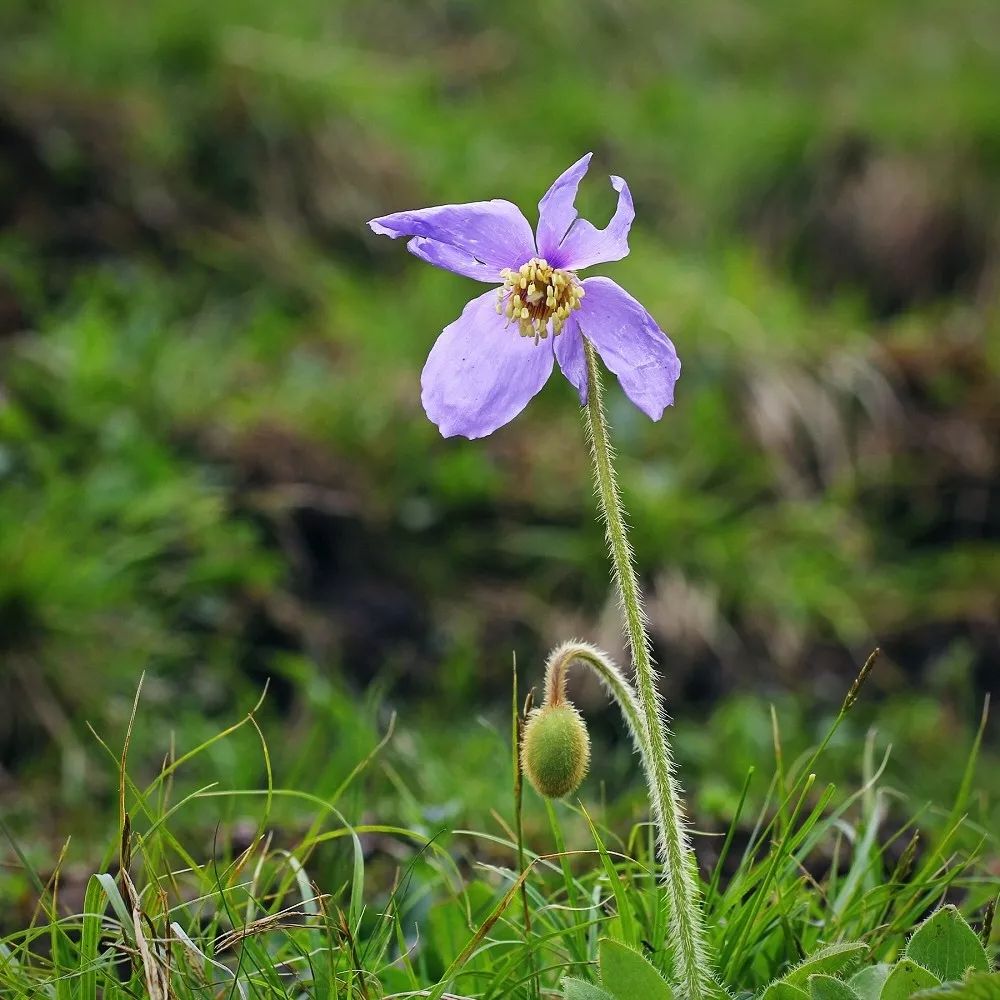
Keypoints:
pixel 488 364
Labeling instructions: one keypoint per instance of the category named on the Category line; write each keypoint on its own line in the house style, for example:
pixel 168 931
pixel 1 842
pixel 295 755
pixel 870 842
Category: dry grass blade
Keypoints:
pixel 154 973
pixel 283 918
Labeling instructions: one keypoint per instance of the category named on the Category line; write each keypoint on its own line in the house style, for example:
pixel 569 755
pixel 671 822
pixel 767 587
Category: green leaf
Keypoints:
pixel 869 981
pixel 624 905
pixel 577 989
pixel 948 946
pixel 830 988
pixel 976 986
pixel 90 939
pixel 827 961
pixel 906 979
pixel 629 975
pixel 784 991
pixel 61 958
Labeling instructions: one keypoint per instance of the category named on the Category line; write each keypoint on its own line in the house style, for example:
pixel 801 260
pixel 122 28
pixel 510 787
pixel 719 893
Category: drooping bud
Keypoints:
pixel 555 750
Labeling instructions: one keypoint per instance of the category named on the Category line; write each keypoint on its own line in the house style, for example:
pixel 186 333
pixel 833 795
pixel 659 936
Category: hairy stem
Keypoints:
pixel 693 974
pixel 616 683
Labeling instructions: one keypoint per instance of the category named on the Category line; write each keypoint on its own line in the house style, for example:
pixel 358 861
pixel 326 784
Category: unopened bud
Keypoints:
pixel 555 750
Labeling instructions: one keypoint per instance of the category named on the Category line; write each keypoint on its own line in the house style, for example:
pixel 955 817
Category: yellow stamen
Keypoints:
pixel 537 295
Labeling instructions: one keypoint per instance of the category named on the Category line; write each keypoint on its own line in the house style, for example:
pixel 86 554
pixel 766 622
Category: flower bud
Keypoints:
pixel 555 750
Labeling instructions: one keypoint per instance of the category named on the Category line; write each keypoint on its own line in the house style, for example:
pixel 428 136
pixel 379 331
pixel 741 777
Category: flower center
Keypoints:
pixel 537 293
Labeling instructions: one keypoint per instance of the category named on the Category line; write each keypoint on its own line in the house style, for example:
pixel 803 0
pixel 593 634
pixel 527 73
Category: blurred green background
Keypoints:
pixel 214 467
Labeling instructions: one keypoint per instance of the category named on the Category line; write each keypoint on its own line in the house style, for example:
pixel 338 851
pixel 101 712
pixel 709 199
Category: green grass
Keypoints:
pixel 318 899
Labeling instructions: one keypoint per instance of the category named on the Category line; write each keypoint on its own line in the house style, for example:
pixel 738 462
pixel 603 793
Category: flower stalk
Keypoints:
pixel 614 681
pixel 692 972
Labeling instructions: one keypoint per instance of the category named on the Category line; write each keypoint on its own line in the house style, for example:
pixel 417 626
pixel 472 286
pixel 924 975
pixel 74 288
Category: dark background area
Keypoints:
pixel 214 467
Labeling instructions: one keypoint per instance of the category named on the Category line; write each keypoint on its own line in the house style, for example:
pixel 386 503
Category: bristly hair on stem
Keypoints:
pixel 693 974
pixel 609 673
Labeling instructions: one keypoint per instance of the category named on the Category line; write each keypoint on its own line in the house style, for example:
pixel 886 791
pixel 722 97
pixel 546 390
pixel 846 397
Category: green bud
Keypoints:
pixel 555 750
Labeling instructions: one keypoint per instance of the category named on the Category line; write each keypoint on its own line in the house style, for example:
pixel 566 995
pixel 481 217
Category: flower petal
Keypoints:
pixel 584 245
pixel 630 344
pixel 492 232
pixel 573 362
pixel 481 373
pixel 557 209
pixel 452 259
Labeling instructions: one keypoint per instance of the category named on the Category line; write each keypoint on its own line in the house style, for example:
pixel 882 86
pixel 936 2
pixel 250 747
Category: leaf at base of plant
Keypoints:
pixel 830 988
pixel 627 975
pixel 577 989
pixel 975 986
pixel 784 991
pixel 906 979
pixel 946 945
pixel 828 961
pixel 868 982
